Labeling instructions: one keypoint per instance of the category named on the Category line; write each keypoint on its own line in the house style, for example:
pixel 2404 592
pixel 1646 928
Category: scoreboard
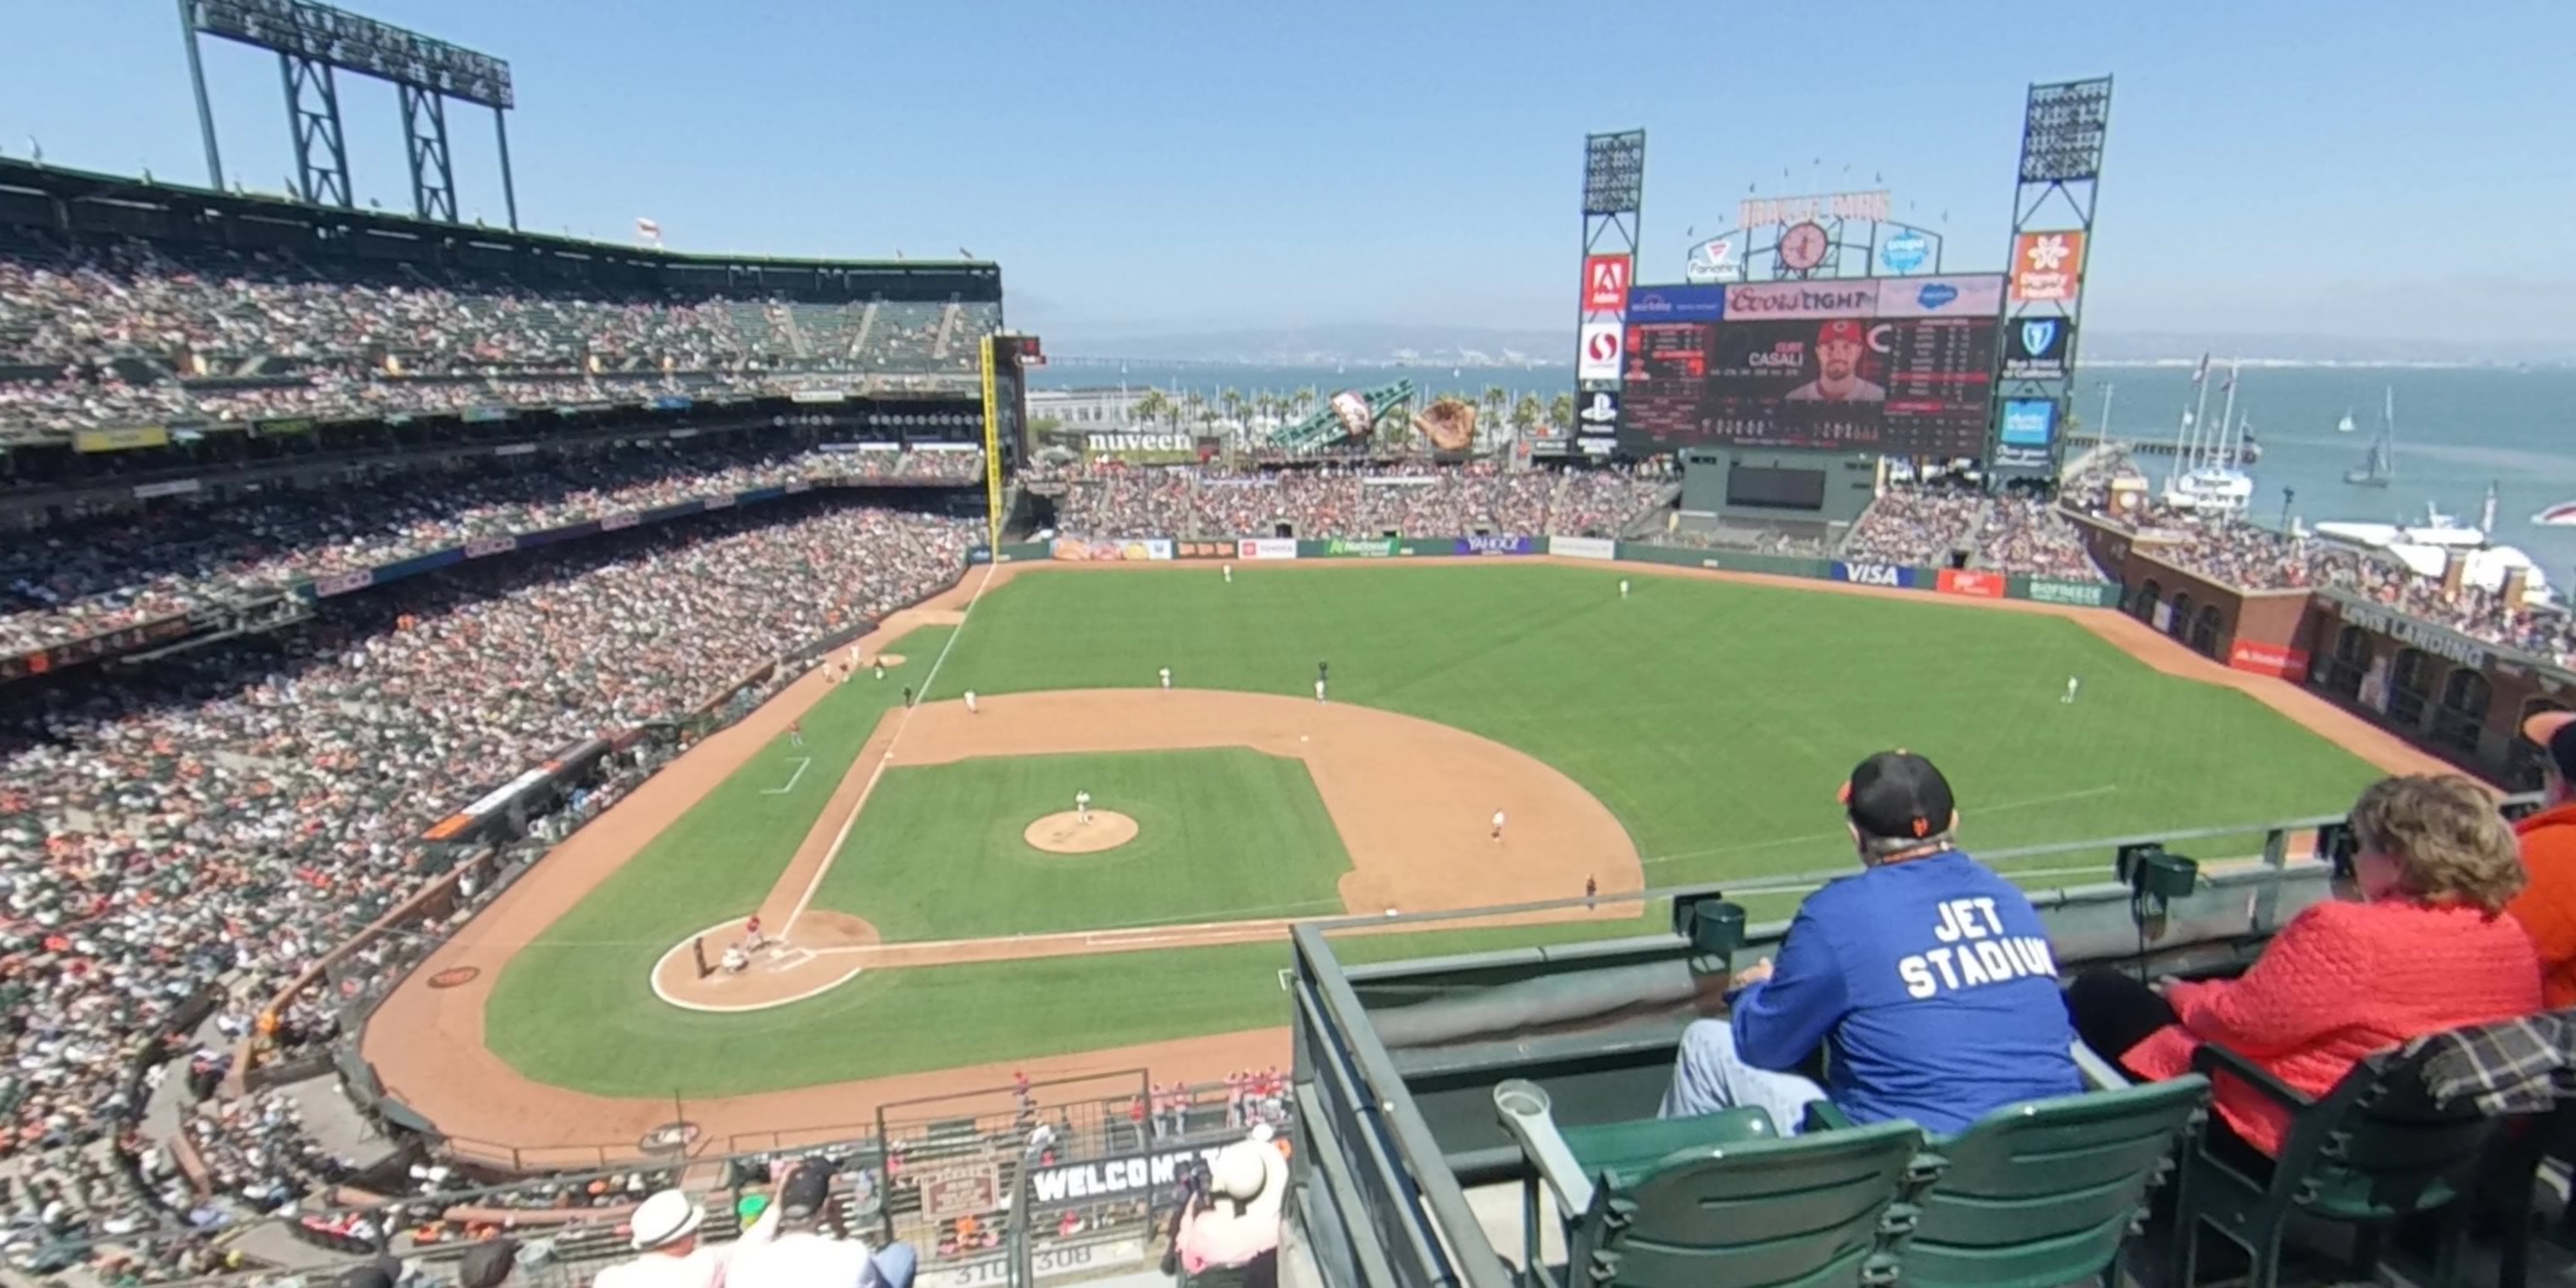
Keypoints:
pixel 1898 366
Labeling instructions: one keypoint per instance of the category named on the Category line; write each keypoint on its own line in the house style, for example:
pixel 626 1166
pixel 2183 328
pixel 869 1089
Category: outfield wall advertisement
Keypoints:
pixel 1583 547
pixel 1265 548
pixel 1132 550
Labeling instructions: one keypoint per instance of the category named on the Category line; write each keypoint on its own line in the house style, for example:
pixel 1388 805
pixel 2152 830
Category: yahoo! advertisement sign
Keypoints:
pixel 1484 545
pixel 1700 303
pixel 1792 300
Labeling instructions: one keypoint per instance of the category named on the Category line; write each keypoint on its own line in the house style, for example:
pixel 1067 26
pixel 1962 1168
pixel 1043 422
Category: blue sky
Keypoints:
pixel 2352 168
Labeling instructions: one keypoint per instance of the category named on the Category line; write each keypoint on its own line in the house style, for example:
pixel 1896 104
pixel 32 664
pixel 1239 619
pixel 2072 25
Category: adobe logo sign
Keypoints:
pixel 1605 283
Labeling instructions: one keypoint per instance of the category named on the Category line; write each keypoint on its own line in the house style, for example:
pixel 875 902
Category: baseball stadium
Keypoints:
pixel 532 760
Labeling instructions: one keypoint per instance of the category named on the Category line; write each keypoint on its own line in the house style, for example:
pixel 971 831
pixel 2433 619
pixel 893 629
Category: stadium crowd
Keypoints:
pixel 358 340
pixel 79 579
pixel 224 816
pixel 1356 501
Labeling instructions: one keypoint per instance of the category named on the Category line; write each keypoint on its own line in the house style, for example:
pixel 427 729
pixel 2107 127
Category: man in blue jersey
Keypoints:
pixel 1926 980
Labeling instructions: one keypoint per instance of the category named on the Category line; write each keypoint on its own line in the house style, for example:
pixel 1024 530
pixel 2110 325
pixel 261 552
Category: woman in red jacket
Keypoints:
pixel 2428 948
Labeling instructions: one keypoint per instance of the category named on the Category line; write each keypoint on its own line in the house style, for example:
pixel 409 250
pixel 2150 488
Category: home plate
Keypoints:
pixel 791 959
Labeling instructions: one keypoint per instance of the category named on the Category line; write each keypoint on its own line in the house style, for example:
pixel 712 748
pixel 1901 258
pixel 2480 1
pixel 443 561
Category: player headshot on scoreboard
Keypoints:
pixel 1838 379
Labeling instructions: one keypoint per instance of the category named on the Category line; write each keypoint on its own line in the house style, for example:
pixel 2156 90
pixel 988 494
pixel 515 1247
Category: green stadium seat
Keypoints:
pixel 1732 1205
pixel 2373 1150
pixel 2043 1193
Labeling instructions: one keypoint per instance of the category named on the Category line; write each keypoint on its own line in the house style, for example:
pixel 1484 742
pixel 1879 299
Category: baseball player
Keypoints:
pixel 1623 588
pixel 1229 574
pixel 907 695
pixel 2072 686
pixel 796 733
pixel 880 668
pixel 1082 807
pixel 751 933
pixel 1591 894
pixel 1319 688
pixel 1498 825
pixel 970 702
pixel 1167 677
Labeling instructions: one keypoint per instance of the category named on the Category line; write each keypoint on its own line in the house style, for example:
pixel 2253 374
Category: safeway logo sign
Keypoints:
pixel 1605 283
pixel 1597 358
pixel 2047 266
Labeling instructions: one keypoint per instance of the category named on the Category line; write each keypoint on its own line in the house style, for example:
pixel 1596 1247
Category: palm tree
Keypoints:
pixel 1496 398
pixel 1230 402
pixel 1152 405
pixel 1560 411
pixel 1265 405
pixel 1193 408
pixel 1525 415
pixel 1302 403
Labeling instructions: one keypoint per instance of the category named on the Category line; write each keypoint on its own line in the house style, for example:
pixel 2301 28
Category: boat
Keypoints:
pixel 2379 466
pixel 2561 515
pixel 2344 426
pixel 2206 479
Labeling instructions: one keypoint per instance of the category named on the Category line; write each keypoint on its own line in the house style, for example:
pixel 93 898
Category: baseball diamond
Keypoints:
pixel 1621 735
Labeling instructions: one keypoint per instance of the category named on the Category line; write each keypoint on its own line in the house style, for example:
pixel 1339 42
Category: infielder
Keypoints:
pixel 2072 685
pixel 1319 688
pixel 880 668
pixel 796 733
pixel 1498 825
pixel 970 702
pixel 1167 677
pixel 1082 807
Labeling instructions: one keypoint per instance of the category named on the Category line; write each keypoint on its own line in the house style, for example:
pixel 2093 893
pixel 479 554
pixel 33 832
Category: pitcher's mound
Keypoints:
pixel 1066 833
pixel 890 659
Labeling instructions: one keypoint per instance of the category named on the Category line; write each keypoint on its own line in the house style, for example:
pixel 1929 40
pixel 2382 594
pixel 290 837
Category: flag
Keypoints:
pixel 2202 373
pixel 647 229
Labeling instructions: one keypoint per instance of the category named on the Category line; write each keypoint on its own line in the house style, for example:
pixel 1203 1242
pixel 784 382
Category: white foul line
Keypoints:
pixel 801 763
pixel 833 855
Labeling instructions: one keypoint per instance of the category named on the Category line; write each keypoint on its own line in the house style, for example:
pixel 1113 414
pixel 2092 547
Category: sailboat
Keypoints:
pixel 2206 477
pixel 2345 425
pixel 2379 467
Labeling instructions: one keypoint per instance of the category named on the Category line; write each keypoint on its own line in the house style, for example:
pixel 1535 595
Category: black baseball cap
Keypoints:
pixel 2555 732
pixel 805 1192
pixel 1898 795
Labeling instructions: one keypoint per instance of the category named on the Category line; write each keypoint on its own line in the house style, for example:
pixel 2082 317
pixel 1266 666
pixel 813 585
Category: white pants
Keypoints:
pixel 1708 1075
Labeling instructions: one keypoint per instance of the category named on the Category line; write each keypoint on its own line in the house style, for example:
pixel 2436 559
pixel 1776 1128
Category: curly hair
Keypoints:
pixel 2450 843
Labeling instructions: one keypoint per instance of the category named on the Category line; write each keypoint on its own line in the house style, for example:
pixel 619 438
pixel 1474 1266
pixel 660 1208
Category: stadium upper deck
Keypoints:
pixel 136 305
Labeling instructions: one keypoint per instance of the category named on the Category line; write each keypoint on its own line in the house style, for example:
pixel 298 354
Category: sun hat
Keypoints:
pixel 665 1218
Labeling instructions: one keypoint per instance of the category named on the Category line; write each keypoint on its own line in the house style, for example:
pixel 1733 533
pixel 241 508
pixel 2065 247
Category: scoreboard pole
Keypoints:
pixel 992 455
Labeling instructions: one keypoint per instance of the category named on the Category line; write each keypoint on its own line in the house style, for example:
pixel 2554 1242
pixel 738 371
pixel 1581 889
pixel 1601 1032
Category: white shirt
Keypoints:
pixel 805 1260
pixel 1082 800
pixel 1498 818
pixel 706 1266
pixel 1167 677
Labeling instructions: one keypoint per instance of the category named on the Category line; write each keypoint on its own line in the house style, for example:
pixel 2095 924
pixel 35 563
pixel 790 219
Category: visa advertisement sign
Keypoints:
pixel 1701 303
pixel 1872 574
pixel 1965 295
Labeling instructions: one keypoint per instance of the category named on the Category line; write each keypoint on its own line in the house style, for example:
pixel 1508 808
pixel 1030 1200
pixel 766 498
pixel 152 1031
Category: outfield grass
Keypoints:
pixel 1714 719
pixel 1222 835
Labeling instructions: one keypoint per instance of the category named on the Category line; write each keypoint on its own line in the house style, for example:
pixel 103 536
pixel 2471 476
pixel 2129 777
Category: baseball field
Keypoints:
pixel 936 914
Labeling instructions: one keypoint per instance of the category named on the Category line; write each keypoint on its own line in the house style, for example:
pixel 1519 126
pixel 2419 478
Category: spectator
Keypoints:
pixel 2547 905
pixel 1236 1223
pixel 668 1251
pixel 812 1246
pixel 1929 976
pixel 2427 948
pixel 493 1263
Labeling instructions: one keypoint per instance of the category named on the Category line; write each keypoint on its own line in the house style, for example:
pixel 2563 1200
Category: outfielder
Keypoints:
pixel 1229 574
pixel 1167 677
pixel 1623 588
pixel 1082 807
pixel 2072 685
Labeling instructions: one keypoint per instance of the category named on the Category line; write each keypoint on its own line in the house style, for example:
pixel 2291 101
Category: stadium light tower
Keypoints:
pixel 313 43
pixel 2063 129
pixel 1614 191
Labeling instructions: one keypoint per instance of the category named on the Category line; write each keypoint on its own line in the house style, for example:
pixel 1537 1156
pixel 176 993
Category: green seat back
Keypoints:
pixel 2378 1147
pixel 1804 1212
pixel 2042 1193
pixel 1622 1154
